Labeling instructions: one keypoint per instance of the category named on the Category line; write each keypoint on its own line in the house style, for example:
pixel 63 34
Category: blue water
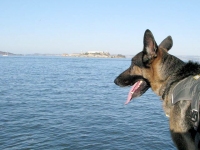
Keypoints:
pixel 64 103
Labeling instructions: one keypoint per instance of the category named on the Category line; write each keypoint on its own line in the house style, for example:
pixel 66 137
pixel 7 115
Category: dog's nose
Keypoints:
pixel 116 81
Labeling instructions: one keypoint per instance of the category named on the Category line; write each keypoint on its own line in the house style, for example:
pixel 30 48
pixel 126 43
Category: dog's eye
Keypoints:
pixel 133 62
pixel 137 63
pixel 137 60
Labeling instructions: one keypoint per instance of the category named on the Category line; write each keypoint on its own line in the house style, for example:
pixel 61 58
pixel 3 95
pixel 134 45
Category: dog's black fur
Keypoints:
pixel 159 70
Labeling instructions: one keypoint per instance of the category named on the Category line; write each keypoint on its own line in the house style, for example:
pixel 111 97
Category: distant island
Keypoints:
pixel 99 54
pixel 6 53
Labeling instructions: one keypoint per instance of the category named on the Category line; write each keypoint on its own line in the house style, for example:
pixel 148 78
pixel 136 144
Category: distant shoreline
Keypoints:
pixel 89 54
pixel 94 54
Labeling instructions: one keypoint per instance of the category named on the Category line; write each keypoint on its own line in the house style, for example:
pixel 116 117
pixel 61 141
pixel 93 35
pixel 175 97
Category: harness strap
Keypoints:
pixel 189 89
pixel 195 104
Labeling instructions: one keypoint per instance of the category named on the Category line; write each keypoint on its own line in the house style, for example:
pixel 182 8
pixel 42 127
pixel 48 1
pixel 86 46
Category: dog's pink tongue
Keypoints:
pixel 132 90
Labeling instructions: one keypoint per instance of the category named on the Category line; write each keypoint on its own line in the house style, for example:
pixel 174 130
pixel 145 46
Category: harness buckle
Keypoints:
pixel 194 115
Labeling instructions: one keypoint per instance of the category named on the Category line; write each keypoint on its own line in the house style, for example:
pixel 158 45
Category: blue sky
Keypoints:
pixel 115 26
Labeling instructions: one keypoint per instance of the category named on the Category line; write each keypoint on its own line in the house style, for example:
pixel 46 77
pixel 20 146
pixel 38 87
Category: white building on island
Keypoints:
pixel 93 52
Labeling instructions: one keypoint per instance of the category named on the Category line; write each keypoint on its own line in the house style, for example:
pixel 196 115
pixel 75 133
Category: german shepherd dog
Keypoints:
pixel 155 68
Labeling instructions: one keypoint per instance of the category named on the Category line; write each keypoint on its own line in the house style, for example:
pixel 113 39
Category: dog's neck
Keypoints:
pixel 169 61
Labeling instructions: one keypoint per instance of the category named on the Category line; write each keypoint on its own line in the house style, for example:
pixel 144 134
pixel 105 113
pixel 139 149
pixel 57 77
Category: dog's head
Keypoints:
pixel 145 68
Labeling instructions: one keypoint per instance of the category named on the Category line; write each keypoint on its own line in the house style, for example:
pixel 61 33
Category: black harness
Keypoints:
pixel 189 89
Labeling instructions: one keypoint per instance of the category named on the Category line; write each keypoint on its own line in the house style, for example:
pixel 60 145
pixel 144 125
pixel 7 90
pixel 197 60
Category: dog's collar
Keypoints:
pixel 162 91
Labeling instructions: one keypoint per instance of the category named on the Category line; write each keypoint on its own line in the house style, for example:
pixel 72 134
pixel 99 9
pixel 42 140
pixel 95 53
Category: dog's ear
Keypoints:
pixel 150 46
pixel 167 43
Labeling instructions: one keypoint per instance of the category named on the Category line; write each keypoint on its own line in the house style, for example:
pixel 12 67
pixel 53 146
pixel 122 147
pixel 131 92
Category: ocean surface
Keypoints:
pixel 60 103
